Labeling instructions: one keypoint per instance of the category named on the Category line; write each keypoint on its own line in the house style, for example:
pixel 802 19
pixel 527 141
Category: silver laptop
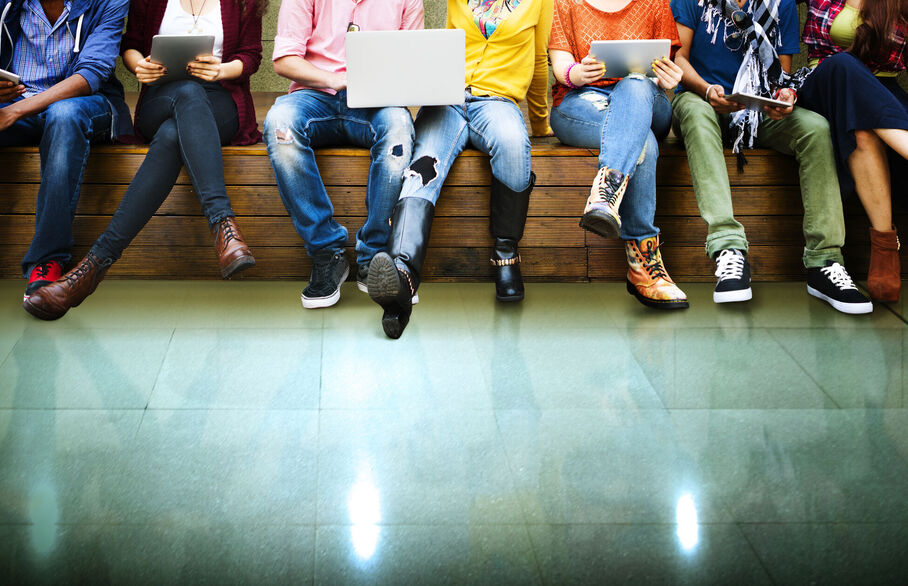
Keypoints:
pixel 405 68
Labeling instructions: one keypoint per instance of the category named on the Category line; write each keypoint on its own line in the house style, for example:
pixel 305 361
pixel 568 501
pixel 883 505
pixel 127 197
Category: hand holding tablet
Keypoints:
pixel 174 53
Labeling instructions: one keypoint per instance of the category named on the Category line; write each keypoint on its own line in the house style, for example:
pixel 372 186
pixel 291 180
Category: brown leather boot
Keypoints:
pixel 54 300
pixel 233 254
pixel 884 279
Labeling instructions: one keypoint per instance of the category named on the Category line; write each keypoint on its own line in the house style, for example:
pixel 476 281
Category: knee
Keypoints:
pixel 279 124
pixel 866 140
pixel 187 90
pixel 65 114
pixel 635 88
pixel 394 137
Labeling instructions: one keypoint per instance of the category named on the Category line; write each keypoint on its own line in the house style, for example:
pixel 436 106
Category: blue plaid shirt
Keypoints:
pixel 43 49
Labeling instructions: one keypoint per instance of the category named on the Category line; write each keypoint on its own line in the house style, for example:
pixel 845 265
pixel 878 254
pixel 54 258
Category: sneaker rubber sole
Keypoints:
pixel 327 300
pixel 240 264
pixel 655 303
pixel 600 223
pixel 364 287
pixel 733 296
pixel 849 308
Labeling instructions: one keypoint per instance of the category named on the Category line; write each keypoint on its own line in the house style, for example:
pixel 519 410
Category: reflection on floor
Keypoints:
pixel 216 431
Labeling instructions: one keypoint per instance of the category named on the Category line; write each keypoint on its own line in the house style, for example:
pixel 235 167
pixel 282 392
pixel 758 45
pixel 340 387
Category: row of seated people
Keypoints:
pixel 848 132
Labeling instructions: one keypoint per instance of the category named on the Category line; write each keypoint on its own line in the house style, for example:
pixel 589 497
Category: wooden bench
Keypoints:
pixel 766 196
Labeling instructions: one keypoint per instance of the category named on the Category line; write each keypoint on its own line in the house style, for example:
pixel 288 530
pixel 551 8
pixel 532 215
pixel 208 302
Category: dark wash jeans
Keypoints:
pixel 64 133
pixel 189 121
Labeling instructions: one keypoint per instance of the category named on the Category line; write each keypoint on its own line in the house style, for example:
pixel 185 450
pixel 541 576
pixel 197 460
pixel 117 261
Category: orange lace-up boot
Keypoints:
pixel 601 213
pixel 647 279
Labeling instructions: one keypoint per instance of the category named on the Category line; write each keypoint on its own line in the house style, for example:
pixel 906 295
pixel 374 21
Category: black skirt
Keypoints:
pixel 846 93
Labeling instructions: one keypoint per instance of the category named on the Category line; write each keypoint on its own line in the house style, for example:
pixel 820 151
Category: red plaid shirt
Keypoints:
pixel 821 13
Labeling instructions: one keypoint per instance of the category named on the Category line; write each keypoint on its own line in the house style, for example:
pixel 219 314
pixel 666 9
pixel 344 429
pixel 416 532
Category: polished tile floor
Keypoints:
pixel 216 432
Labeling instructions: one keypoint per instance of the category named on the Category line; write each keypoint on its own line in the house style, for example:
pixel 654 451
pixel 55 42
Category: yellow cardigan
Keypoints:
pixel 513 62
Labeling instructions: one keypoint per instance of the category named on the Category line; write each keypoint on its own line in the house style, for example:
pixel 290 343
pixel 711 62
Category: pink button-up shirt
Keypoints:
pixel 315 29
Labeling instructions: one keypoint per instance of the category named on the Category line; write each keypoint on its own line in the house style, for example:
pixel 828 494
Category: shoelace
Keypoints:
pixel 651 261
pixel 75 275
pixel 839 276
pixel 729 265
pixel 605 194
pixel 42 269
pixel 229 234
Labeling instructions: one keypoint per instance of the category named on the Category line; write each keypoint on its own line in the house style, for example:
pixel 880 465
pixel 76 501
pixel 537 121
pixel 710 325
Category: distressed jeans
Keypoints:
pixel 625 122
pixel 306 119
pixel 64 133
pixel 803 134
pixel 493 125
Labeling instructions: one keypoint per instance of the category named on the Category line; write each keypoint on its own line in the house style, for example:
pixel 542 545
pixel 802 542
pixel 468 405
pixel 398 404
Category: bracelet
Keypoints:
pixel 775 96
pixel 567 76
pixel 709 87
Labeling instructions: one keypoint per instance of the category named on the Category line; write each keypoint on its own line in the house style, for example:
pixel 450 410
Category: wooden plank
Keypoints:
pixel 176 231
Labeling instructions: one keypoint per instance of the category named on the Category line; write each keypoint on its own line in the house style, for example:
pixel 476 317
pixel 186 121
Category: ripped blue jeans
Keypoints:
pixel 622 121
pixel 493 125
pixel 305 119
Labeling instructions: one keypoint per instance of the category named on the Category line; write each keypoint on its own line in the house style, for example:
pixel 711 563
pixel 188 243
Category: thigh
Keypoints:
pixel 366 126
pixel 310 114
pixel 578 119
pixel 93 112
pixel 783 135
pixel 225 112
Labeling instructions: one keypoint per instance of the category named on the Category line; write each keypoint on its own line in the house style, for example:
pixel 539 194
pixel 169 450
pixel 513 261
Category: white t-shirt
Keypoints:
pixel 177 21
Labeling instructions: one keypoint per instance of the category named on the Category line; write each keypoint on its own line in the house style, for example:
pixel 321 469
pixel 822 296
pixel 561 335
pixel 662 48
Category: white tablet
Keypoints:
pixel 9 76
pixel 175 52
pixel 622 58
pixel 755 102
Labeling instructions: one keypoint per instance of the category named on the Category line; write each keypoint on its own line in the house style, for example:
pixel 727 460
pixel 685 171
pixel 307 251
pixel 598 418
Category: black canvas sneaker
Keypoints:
pixel 833 285
pixel 329 271
pixel 733 272
pixel 362 280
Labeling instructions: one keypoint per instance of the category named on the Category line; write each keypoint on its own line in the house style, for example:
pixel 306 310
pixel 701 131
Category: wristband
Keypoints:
pixel 775 96
pixel 709 87
pixel 567 76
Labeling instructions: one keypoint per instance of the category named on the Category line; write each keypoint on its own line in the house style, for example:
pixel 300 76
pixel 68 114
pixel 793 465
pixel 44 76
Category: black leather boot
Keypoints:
pixel 507 218
pixel 394 275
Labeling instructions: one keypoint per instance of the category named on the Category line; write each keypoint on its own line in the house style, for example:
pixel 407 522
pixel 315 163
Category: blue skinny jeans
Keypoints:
pixel 622 121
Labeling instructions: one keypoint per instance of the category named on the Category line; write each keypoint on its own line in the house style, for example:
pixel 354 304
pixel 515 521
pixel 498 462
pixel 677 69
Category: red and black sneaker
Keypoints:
pixel 43 274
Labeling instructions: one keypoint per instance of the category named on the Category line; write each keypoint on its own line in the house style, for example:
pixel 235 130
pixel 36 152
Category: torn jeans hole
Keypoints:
pixel 283 136
pixel 424 168
pixel 600 101
pixel 397 150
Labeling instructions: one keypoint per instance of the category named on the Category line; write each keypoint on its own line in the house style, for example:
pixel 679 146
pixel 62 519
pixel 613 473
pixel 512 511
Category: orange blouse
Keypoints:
pixel 576 25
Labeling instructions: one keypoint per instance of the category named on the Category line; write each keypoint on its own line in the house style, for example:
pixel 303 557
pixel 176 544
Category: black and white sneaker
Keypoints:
pixel 329 270
pixel 362 280
pixel 733 272
pixel 833 285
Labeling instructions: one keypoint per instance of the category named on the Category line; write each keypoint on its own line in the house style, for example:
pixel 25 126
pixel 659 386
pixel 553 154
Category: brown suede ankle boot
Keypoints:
pixel 233 254
pixel 884 279
pixel 53 301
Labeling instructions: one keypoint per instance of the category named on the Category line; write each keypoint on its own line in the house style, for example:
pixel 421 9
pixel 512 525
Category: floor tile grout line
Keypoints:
pixel 753 550
pixel 155 384
pixel 11 349
pixel 803 369
pixel 318 451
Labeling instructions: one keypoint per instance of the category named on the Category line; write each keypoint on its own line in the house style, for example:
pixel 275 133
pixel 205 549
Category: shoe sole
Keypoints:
pixel 365 289
pixel 733 296
pixel 602 224
pixel 849 308
pixel 509 298
pixel 27 306
pixel 383 286
pixel 328 300
pixel 668 304
pixel 240 264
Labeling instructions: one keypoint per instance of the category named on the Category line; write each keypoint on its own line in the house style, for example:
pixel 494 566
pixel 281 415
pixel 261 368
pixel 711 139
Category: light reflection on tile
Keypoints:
pixel 245 304
pixel 414 466
pixel 577 368
pixel 602 467
pixel 644 554
pixel 440 308
pixel 210 553
pixel 787 465
pixel 700 368
pixel 243 368
pixel 446 554
pixel 427 367
pixel 63 466
pixel 83 369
